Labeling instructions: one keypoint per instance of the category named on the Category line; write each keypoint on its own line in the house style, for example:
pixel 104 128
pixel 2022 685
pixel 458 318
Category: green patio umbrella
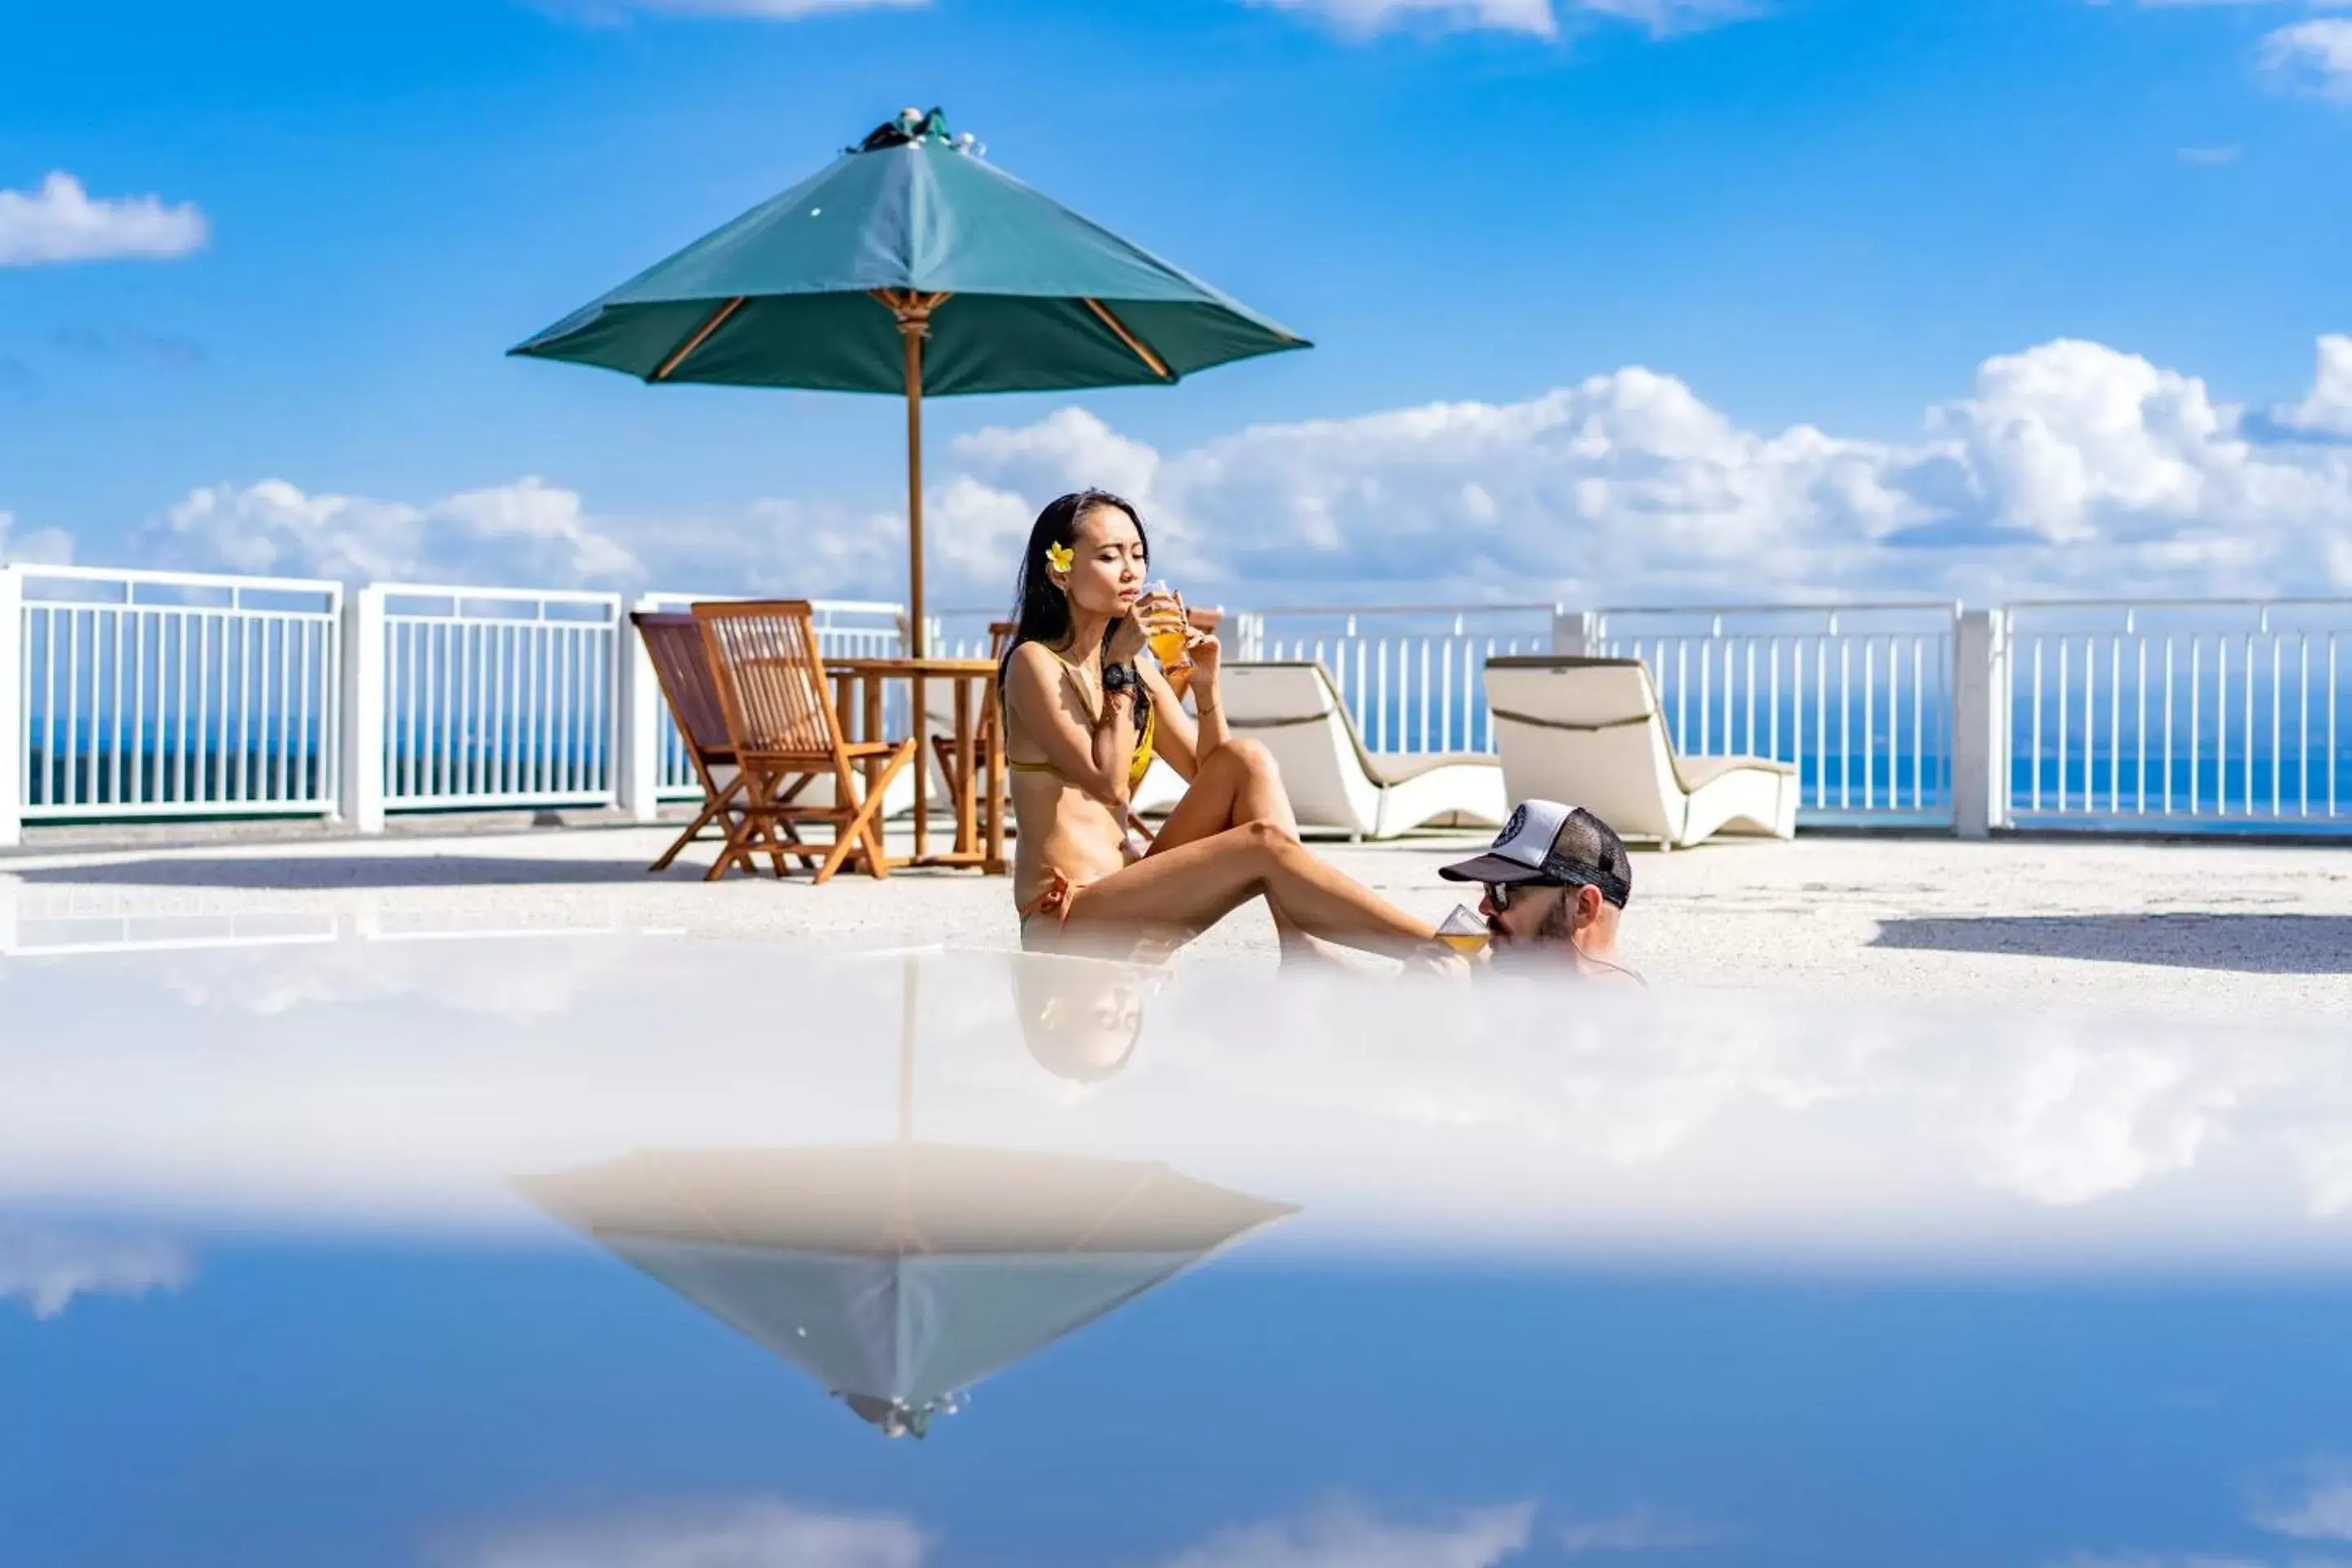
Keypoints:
pixel 912 266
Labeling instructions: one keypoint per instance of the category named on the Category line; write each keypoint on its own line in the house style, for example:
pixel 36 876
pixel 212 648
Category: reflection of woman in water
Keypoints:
pixel 1081 1017
pixel 1083 721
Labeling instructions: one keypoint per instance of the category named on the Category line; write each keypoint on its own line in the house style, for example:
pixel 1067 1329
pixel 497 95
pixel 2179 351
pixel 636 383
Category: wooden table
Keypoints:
pixel 858 687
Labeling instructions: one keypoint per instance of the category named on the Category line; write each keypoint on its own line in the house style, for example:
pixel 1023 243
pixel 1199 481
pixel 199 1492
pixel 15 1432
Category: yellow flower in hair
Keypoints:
pixel 1061 557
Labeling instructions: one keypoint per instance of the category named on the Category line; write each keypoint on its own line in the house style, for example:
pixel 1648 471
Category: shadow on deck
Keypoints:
pixel 2246 943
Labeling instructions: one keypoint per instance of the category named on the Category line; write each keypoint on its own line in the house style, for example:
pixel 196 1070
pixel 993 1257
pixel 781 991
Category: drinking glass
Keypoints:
pixel 1465 933
pixel 1166 629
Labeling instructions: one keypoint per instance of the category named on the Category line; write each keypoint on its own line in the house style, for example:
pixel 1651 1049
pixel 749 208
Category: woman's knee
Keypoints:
pixel 1266 840
pixel 1250 757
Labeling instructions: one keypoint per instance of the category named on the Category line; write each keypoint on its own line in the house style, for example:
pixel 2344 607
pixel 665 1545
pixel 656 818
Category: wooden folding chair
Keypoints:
pixel 782 722
pixel 682 665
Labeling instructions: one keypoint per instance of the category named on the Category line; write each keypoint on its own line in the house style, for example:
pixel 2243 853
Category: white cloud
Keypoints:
pixel 47 546
pixel 612 11
pixel 2328 410
pixel 1361 18
pixel 1664 17
pixel 47 1269
pixel 60 222
pixel 1535 19
pixel 2068 1124
pixel 1637 1530
pixel 2071 464
pixel 765 1533
pixel 747 1535
pixel 526 533
pixel 2321 1511
pixel 1344 1535
pixel 2072 467
pixel 2314 57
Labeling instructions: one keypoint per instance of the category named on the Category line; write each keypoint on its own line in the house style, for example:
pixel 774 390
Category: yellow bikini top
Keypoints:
pixel 1136 769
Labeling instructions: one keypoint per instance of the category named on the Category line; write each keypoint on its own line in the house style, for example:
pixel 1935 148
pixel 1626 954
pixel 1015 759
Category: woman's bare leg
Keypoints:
pixel 1195 885
pixel 1240 783
pixel 1236 783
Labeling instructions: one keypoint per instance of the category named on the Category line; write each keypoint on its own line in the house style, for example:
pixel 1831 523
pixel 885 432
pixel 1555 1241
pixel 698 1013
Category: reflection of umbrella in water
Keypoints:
pixel 898 1276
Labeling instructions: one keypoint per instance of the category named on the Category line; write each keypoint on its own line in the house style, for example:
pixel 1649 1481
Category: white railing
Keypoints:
pixel 139 695
pixel 963 634
pixel 1412 676
pixel 148 694
pixel 1858 698
pixel 497 696
pixel 2204 714
pixel 846 628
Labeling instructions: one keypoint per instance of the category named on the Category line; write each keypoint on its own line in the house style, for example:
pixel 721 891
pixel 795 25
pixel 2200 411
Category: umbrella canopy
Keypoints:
pixel 898 1276
pixel 912 266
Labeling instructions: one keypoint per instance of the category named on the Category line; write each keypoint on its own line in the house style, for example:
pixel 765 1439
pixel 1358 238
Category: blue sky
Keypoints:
pixel 1625 248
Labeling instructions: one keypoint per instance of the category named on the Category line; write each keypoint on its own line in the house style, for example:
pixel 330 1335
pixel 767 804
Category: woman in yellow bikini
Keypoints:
pixel 1083 721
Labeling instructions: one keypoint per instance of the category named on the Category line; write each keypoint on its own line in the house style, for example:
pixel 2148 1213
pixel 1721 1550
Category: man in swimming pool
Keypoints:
pixel 1556 880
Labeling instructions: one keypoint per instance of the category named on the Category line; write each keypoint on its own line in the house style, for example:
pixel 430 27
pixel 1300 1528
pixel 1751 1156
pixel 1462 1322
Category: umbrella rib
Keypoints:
pixel 1141 350
pixel 717 320
pixel 1086 1237
pixel 683 1190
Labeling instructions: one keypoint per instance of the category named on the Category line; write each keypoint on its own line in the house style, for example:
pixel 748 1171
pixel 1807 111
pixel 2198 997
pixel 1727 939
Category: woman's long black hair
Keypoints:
pixel 1041 610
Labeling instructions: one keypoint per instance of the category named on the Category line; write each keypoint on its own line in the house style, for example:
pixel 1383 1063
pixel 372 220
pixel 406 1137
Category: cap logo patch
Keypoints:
pixel 1511 828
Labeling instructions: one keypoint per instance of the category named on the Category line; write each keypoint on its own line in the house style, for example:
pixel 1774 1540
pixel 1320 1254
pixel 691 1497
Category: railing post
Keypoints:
pixel 361 792
pixel 1249 629
pixel 1980 724
pixel 13 734
pixel 1575 633
pixel 641 724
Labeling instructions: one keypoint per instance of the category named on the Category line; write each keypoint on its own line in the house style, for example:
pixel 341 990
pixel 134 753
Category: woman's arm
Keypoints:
pixel 1208 700
pixel 1043 704
pixel 1185 743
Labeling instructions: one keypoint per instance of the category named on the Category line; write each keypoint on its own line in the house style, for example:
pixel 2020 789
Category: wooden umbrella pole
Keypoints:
pixel 912 329
pixel 913 324
pixel 913 313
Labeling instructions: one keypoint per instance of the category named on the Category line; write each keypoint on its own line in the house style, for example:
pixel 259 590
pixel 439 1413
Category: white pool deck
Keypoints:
pixel 2247 932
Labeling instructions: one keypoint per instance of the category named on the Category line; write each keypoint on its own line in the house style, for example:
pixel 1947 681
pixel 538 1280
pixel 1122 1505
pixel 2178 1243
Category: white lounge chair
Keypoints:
pixel 1336 784
pixel 1161 789
pixel 1590 731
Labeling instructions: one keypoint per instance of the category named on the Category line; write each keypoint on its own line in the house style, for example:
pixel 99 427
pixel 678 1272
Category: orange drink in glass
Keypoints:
pixel 1465 933
pixel 1166 629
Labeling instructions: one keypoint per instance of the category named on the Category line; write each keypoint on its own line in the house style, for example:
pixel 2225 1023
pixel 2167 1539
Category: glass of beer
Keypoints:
pixel 1465 933
pixel 1166 629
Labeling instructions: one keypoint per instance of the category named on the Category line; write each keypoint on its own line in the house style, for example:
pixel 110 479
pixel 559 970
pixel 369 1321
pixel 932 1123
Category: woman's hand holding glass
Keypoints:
pixel 1202 651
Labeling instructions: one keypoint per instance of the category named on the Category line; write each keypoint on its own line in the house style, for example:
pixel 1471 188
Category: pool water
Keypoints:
pixel 512 1250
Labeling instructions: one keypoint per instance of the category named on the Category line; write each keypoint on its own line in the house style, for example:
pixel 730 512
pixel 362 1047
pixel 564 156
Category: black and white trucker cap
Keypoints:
pixel 1547 844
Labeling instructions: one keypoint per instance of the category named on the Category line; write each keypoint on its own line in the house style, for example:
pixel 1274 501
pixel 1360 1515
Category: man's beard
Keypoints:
pixel 1558 927
pixel 1558 923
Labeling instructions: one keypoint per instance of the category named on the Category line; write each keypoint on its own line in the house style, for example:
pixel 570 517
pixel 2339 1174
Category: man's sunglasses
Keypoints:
pixel 1500 894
